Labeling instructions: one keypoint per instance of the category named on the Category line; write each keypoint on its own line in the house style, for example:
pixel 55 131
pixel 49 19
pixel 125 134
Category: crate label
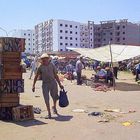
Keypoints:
pixel 11 86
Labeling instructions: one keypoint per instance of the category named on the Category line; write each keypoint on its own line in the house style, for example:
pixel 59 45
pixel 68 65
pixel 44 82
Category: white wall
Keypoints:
pixel 29 36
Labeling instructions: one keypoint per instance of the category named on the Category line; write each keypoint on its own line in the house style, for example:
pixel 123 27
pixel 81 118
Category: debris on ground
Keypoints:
pixel 37 110
pixel 95 114
pixel 127 123
pixel 101 87
pixel 113 110
pixel 79 111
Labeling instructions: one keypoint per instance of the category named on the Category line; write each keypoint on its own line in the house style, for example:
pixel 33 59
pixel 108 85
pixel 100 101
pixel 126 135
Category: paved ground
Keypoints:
pixel 79 126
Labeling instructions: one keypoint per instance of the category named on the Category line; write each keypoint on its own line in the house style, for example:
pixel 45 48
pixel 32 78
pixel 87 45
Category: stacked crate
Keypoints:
pixel 11 82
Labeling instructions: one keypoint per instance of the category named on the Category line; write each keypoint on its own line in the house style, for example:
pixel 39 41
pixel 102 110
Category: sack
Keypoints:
pixel 63 99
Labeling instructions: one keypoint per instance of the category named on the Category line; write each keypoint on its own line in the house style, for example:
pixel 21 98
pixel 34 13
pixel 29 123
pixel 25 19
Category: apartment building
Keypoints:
pixel 116 32
pixel 58 35
pixel 29 36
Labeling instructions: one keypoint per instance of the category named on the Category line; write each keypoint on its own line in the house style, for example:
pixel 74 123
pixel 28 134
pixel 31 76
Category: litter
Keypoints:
pixel 104 120
pixel 95 114
pixel 113 110
pixel 37 110
pixel 127 123
pixel 103 88
pixel 79 111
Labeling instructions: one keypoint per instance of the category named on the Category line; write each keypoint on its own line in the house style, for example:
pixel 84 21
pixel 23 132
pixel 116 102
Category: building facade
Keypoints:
pixel 29 36
pixel 116 32
pixel 58 35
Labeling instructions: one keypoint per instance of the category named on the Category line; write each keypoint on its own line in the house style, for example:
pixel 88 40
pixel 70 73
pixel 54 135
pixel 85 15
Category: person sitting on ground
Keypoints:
pixel 109 76
pixel 137 67
pixel 101 73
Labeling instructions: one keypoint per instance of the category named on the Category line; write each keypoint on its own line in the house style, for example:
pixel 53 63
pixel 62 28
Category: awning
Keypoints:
pixel 119 52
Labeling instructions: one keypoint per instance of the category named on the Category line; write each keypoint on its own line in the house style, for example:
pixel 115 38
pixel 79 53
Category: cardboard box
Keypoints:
pixel 22 113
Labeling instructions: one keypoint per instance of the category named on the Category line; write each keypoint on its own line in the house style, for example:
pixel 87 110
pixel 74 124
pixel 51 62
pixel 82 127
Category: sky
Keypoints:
pixel 25 14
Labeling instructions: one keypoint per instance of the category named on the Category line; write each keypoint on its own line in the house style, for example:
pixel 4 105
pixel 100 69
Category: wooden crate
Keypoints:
pixel 10 44
pixel 10 58
pixel 6 113
pixel 9 100
pixel 22 113
pixel 10 71
pixel 12 86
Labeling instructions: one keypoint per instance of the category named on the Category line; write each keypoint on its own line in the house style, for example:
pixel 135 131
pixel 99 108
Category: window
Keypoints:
pixel 118 33
pixel 66 37
pixel 111 33
pixel 90 33
pixel 24 33
pixel 123 26
pixel 66 44
pixel 70 26
pixel 29 44
pixel 61 44
pixel 90 39
pixel 33 44
pixel 123 32
pixel 71 44
pixel 91 28
pixel 104 39
pixel 118 39
pixel 61 50
pixel 70 38
pixel 29 39
pixel 111 39
pixel 75 26
pixel 66 31
pixel 104 33
pixel 61 24
pixel 118 27
pixel 124 38
pixel 75 38
pixel 61 37
pixel 76 44
pixel 33 34
pixel 28 34
pixel 61 31
pixel 70 32
pixel 76 33
pixel 66 25
pixel 123 43
pixel 29 48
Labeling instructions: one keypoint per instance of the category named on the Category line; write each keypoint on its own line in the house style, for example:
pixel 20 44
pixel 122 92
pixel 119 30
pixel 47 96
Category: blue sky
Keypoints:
pixel 16 14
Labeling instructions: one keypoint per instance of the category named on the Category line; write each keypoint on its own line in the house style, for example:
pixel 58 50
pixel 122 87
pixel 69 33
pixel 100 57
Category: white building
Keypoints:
pixel 57 35
pixel 29 36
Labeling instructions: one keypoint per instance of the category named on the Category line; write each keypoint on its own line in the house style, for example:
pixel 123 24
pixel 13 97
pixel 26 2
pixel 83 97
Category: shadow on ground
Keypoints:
pixel 122 86
pixel 30 123
pixel 62 118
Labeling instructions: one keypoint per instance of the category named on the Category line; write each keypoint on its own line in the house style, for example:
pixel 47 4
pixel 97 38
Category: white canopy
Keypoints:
pixel 119 52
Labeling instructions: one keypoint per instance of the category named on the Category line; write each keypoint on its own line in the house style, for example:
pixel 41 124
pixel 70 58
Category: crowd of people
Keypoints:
pixel 47 69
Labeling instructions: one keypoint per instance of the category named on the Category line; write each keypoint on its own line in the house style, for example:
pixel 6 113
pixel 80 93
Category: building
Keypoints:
pixel 116 32
pixel 58 35
pixel 29 36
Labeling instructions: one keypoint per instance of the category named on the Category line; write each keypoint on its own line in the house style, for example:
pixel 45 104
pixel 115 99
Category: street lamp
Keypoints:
pixel 4 31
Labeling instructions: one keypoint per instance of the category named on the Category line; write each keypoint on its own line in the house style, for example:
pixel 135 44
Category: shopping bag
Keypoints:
pixel 63 98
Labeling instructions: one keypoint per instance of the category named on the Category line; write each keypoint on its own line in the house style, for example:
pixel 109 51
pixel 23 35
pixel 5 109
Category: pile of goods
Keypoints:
pixel 11 82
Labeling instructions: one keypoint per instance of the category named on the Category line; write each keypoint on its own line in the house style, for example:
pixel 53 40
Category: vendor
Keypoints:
pixel 101 73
